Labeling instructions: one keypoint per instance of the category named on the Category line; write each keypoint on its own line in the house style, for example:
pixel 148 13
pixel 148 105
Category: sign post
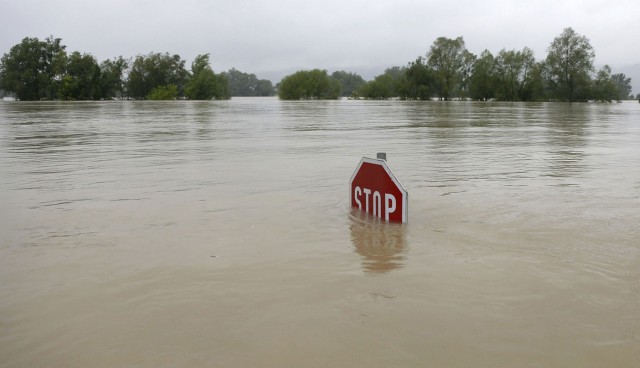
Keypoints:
pixel 374 189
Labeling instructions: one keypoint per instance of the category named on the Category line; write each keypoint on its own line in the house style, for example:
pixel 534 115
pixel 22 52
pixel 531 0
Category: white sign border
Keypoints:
pixel 383 163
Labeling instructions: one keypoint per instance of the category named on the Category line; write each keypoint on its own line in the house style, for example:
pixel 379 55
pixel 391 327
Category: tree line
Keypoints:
pixel 449 71
pixel 43 70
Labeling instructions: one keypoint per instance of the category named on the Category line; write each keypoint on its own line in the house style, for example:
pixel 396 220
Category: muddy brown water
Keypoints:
pixel 217 234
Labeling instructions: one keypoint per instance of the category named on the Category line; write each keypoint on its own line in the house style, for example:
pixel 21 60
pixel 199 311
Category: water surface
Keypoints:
pixel 217 233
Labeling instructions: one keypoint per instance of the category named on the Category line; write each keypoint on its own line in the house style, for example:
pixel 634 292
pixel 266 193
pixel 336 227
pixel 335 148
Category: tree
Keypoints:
pixel 204 84
pixel 450 59
pixel 309 85
pixel 609 87
pixel 264 88
pixel 168 92
pixel 533 88
pixel 381 88
pixel 385 86
pixel 350 82
pixel 623 86
pixel 82 78
pixel 468 59
pixel 20 70
pixel 54 64
pixel 244 84
pixel 482 85
pixel 509 66
pixel 604 89
pixel 569 64
pixel 112 80
pixel 155 70
pixel 33 69
pixel 420 81
pixel 514 75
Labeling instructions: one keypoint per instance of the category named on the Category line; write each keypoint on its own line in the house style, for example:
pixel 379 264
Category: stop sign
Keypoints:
pixel 374 189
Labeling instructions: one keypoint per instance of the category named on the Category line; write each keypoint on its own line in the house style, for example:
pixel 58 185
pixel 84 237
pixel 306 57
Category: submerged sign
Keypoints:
pixel 374 189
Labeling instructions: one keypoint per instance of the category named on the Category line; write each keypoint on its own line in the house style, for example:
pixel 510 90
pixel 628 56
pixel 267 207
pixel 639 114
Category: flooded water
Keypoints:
pixel 217 234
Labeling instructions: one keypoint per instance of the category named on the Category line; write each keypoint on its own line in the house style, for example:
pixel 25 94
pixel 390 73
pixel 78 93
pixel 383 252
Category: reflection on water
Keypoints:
pixel 381 245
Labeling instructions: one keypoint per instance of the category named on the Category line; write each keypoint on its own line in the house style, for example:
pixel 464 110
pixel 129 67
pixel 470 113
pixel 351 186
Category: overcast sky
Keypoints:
pixel 276 37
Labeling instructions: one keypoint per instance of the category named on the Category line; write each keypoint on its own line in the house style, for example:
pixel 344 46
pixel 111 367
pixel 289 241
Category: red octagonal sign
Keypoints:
pixel 375 190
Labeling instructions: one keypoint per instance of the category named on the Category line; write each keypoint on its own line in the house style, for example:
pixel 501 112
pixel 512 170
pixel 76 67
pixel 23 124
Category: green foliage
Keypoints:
pixel 484 79
pixel 509 67
pixel 112 83
pixel 168 92
pixel 514 75
pixel 264 88
pixel 309 85
pixel 609 87
pixel 82 78
pixel 350 82
pixel 20 70
pixel 32 69
pixel 451 62
pixel 203 83
pixel 244 84
pixel 569 64
pixel 381 88
pixel 623 86
pixel 533 88
pixel 385 86
pixel 420 81
pixel 155 70
pixel 604 89
pixel 37 70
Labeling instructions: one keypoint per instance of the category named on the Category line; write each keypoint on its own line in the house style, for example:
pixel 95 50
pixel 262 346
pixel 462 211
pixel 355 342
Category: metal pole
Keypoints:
pixel 381 156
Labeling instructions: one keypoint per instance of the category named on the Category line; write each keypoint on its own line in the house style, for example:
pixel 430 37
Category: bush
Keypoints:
pixel 309 85
pixel 168 92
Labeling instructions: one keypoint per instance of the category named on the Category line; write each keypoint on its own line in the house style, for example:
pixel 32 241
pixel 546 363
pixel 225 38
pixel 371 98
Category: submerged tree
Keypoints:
pixel 309 85
pixel 155 70
pixel 384 86
pixel 420 81
pixel 509 66
pixel 37 70
pixel 350 82
pixel 623 86
pixel 245 84
pixel 515 75
pixel 33 69
pixel 168 92
pixel 204 84
pixel 609 87
pixel 482 85
pixel 603 89
pixel 451 61
pixel 113 77
pixel 82 78
pixel 569 64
